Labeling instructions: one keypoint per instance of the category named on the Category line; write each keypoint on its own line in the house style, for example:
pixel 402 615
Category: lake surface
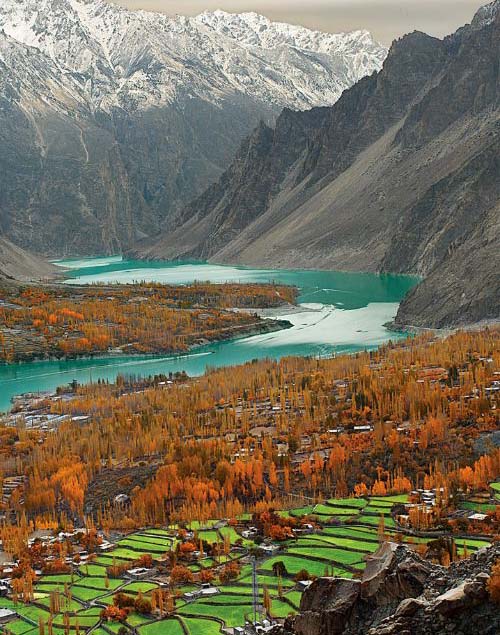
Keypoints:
pixel 339 313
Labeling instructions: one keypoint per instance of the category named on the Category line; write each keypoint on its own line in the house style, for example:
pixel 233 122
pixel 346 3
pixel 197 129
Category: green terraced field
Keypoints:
pixel 327 510
pixel 301 511
pixel 294 564
pixel 141 546
pixel 351 531
pixel 165 627
pixel 496 488
pixel 378 509
pixel 154 540
pixel 233 615
pixel 86 595
pixel 139 587
pixel 281 609
pixel 374 520
pixel 234 536
pixel 198 626
pixel 478 507
pixel 397 498
pixel 98 583
pixel 322 540
pixel 194 525
pixel 357 503
pixel 209 535
pixel 20 627
pixel 344 544
pixel 124 553
pixel 328 554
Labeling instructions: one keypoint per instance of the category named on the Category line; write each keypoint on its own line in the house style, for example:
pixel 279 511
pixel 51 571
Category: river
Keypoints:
pixel 338 313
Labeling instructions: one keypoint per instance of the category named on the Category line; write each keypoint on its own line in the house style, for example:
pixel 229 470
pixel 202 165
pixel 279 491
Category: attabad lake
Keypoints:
pixel 338 312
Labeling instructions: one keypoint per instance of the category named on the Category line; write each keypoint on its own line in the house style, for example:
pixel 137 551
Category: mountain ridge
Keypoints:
pixel 372 183
pixel 125 116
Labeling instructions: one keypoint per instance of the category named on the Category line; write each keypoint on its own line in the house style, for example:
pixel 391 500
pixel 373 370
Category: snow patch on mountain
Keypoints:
pixel 138 59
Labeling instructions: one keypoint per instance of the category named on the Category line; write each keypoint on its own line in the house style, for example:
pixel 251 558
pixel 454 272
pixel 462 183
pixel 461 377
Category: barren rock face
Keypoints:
pixel 17 264
pixel 401 175
pixel 401 594
pixel 378 566
pixel 112 120
pixel 326 606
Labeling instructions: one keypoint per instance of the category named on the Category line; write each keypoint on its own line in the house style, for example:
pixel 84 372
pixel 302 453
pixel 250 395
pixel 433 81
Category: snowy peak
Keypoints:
pixel 252 29
pixel 124 116
pixel 141 59
pixel 357 49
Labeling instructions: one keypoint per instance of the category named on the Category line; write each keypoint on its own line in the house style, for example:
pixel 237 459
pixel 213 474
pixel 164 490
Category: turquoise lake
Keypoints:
pixel 338 313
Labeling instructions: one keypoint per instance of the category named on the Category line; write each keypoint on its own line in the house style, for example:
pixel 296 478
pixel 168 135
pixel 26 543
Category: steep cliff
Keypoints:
pixel 112 120
pixel 400 175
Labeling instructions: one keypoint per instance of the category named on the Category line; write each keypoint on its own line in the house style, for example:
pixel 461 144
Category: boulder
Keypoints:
pixel 392 574
pixel 326 606
pixel 409 606
pixel 453 601
pixel 377 568
pixel 476 588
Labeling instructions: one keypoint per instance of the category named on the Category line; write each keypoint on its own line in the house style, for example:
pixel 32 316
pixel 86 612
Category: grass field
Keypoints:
pixel 339 548
pixel 165 627
pixel 198 626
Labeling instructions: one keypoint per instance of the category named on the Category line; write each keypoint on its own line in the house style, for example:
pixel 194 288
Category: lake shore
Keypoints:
pixel 336 313
pixel 262 327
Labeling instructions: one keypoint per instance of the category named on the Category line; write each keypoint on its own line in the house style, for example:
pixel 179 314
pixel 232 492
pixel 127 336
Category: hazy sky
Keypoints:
pixel 386 19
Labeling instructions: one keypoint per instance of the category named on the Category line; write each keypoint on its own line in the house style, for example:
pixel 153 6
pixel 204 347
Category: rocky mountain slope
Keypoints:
pixel 18 265
pixel 111 120
pixel 401 175
pixel 401 594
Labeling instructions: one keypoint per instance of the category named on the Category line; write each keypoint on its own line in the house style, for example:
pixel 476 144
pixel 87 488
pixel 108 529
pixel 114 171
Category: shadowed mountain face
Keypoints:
pixel 402 174
pixel 111 120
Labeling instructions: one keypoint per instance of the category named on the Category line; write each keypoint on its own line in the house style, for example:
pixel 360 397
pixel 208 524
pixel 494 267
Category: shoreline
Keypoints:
pixel 265 326
pixel 275 313
pixel 440 331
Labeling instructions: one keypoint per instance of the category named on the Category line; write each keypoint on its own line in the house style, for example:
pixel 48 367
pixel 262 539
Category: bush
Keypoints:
pixel 230 572
pixel 494 583
pixel 302 575
pixel 122 600
pixel 115 614
pixel 143 606
pixel 181 575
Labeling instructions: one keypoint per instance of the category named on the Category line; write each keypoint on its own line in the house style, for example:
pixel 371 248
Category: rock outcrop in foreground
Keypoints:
pixel 402 594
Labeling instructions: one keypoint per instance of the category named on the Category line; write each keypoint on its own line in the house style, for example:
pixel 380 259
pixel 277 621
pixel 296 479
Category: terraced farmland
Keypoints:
pixel 346 534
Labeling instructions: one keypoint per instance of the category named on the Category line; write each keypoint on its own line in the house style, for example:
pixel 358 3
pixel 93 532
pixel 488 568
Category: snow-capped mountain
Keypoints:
pixel 118 53
pixel 162 101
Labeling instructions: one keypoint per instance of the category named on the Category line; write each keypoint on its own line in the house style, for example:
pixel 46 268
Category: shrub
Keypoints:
pixel 115 614
pixel 181 575
pixel 142 605
pixel 122 600
pixel 494 583
pixel 302 575
pixel 230 572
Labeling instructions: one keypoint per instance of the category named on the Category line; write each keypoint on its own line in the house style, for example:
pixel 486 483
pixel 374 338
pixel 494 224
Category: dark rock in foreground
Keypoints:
pixel 402 594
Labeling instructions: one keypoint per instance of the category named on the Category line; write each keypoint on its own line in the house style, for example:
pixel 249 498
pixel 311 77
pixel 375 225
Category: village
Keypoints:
pixel 211 510
pixel 251 569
